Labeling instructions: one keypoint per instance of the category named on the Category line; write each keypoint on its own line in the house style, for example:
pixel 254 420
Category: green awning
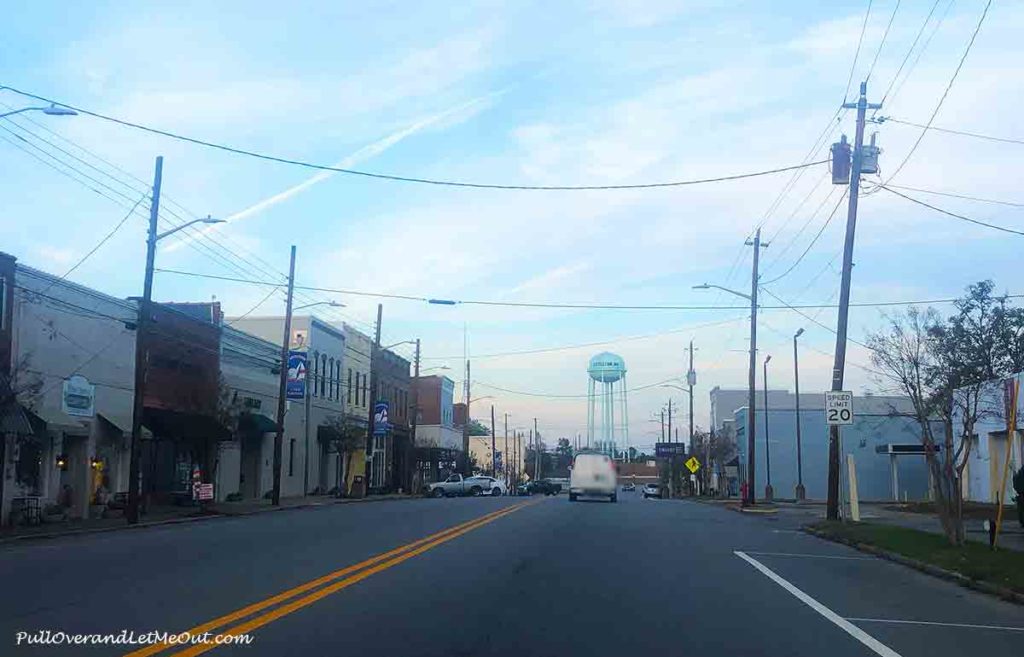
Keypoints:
pixel 256 423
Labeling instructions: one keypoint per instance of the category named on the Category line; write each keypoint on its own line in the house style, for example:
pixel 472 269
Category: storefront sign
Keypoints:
pixel 202 491
pixel 79 397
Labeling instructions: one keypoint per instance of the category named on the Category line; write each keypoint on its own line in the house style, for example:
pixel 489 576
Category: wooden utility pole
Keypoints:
pixel 752 373
pixel 494 447
pixel 282 387
pixel 411 454
pixel 465 428
pixel 839 366
pixel 536 449
pixel 370 438
pixel 141 353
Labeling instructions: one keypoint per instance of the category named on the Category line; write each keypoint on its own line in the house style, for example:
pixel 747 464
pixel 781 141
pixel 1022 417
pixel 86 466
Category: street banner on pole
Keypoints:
pixel 381 425
pixel 296 387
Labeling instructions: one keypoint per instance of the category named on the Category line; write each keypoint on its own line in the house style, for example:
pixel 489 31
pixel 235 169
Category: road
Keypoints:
pixel 539 576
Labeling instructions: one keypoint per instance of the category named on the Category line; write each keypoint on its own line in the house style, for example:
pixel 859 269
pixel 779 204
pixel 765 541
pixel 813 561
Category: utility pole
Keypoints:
pixel 282 387
pixel 769 492
pixel 465 429
pixel 415 417
pixel 494 453
pixel 141 353
pixel 371 439
pixel 536 449
pixel 670 422
pixel 305 426
pixel 752 374
pixel 505 457
pixel 663 425
pixel 691 380
pixel 839 367
pixel 800 491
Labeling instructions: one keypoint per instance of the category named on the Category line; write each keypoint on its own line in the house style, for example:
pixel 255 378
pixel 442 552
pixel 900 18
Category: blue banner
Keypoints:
pixel 296 387
pixel 381 423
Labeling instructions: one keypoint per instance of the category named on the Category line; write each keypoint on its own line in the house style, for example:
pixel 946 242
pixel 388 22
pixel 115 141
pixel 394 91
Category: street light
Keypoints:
pixel 768 492
pixel 749 498
pixel 145 317
pixel 332 304
pixel 800 492
pixel 436 367
pixel 52 110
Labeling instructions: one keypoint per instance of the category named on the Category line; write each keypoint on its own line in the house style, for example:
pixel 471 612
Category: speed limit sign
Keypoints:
pixel 838 407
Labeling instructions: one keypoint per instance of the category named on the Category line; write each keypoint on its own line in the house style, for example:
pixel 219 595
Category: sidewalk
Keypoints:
pixel 169 515
pixel 1011 536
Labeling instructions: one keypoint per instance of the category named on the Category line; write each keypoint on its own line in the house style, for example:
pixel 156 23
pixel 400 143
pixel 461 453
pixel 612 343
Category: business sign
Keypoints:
pixel 78 397
pixel 202 492
pixel 838 407
pixel 296 388
pixel 381 424
pixel 668 450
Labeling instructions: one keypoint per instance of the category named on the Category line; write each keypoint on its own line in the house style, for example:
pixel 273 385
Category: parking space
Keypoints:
pixel 909 612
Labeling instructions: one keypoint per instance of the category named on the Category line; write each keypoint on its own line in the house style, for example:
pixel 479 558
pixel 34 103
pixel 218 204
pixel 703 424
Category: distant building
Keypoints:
pixel 879 421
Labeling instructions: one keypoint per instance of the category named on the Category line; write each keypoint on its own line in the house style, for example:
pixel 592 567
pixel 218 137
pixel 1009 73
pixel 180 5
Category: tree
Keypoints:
pixel 345 436
pixel 477 428
pixel 945 368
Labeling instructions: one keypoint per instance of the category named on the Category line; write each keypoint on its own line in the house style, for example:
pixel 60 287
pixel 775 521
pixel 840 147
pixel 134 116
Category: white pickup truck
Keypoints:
pixel 456 485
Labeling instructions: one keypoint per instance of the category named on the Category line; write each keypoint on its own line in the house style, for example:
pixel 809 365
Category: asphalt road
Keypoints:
pixel 531 577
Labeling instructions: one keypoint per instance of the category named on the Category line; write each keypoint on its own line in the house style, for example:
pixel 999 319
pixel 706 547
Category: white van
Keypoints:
pixel 593 473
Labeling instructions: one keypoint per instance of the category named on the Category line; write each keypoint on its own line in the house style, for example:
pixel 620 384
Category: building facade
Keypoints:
pixel 309 461
pixel 391 458
pixel 989 449
pixel 67 382
pixel 879 422
pixel 358 400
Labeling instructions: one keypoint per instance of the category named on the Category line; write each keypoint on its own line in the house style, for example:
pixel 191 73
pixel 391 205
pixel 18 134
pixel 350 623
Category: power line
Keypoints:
pixel 792 240
pixel 980 199
pixel 813 241
pixel 98 244
pixel 577 306
pixel 554 396
pixel 942 99
pixel 909 51
pixel 920 53
pixel 856 55
pixel 951 214
pixel 963 133
pixel 524 352
pixel 407 179
pixel 885 36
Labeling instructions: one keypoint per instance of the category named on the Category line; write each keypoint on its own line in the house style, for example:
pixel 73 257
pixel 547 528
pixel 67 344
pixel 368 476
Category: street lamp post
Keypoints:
pixel 51 110
pixel 800 492
pixel 768 492
pixel 145 317
pixel 749 498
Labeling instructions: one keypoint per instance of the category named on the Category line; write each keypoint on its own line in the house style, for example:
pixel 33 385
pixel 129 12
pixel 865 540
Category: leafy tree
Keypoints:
pixel 944 367
pixel 477 428
pixel 345 436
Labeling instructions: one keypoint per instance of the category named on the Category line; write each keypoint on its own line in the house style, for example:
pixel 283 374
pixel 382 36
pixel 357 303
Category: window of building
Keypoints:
pixel 330 380
pixel 291 457
pixel 323 375
pixel 348 390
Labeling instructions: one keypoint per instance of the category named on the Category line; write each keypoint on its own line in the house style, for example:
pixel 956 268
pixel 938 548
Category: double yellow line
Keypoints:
pixel 341 579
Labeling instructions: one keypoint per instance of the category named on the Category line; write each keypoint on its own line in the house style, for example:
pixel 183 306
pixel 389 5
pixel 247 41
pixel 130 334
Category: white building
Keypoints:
pixel 69 352
pixel 985 465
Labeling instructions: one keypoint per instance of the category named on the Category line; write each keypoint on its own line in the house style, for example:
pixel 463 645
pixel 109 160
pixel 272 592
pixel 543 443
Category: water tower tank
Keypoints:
pixel 606 367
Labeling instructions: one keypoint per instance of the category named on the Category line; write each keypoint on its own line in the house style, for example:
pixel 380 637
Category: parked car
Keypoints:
pixel 541 486
pixel 593 473
pixel 628 488
pixel 491 485
pixel 652 490
pixel 456 485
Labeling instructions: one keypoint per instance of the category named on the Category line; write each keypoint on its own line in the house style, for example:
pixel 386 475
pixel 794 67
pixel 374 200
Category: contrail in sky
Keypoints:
pixel 365 153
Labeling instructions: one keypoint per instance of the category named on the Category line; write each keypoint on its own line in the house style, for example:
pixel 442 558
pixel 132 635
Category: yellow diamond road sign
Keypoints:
pixel 693 464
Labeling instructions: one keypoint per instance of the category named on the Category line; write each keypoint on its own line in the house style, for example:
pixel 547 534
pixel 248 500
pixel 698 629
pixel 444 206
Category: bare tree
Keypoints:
pixel 947 368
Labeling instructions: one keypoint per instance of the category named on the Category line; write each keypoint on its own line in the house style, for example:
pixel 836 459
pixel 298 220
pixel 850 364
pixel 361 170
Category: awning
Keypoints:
pixel 48 419
pixel 256 423
pixel 122 424
pixel 174 425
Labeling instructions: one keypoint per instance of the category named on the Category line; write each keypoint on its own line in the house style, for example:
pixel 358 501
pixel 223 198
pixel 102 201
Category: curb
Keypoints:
pixel 992 589
pixel 190 519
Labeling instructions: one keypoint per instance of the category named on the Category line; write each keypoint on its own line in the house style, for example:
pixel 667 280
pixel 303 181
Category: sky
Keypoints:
pixel 596 92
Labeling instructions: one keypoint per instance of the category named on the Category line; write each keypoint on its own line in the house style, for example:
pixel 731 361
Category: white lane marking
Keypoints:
pixel 815 556
pixel 848 627
pixel 916 622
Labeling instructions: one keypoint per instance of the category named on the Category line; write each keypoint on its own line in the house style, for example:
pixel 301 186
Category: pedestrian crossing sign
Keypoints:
pixel 692 464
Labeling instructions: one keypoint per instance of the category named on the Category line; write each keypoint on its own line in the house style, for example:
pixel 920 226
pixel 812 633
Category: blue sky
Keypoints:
pixel 597 92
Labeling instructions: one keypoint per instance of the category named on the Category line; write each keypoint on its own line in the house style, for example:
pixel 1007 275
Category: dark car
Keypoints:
pixel 542 486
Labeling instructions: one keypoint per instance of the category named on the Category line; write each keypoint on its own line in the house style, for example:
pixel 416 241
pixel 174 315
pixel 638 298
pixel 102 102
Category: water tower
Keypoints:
pixel 606 425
